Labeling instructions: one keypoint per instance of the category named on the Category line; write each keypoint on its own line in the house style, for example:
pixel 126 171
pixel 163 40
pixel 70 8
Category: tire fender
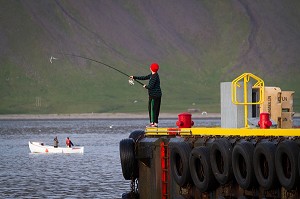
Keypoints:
pixel 242 164
pixel 200 169
pixel 179 159
pixel 127 157
pixel 220 158
pixel 137 135
pixel 299 163
pixel 264 164
pixel 286 163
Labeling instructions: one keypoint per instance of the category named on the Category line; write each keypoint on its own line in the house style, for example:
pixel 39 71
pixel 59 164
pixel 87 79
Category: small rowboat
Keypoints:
pixel 39 147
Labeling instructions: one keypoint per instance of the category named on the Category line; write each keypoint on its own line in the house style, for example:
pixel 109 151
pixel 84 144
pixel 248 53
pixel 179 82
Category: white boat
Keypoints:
pixel 40 147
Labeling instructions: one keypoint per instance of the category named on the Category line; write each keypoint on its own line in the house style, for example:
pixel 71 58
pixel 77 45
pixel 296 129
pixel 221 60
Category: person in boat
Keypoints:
pixel 154 92
pixel 55 142
pixel 69 142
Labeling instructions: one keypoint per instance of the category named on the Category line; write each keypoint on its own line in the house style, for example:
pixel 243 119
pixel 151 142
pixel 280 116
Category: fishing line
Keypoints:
pixel 93 60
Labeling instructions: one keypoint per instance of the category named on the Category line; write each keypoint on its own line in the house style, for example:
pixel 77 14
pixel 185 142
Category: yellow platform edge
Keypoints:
pixel 243 132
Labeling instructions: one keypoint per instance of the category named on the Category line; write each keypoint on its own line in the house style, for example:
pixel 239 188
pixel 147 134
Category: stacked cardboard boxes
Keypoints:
pixel 279 104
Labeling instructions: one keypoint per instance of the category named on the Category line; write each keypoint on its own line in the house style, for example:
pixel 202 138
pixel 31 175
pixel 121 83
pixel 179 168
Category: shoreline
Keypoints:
pixel 82 116
pixel 100 116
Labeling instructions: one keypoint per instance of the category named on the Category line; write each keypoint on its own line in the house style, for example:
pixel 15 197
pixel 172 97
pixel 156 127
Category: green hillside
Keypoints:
pixel 198 44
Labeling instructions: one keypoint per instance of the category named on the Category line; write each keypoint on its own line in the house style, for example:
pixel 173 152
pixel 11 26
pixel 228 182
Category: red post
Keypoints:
pixel 185 120
pixel 264 121
pixel 164 171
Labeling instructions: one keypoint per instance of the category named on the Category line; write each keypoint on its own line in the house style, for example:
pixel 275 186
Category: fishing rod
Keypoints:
pixel 93 60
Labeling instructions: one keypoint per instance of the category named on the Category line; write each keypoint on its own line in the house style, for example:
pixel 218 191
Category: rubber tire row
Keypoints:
pixel 196 165
pixel 265 164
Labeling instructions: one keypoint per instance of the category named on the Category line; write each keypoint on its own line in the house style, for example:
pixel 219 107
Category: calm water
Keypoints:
pixel 95 174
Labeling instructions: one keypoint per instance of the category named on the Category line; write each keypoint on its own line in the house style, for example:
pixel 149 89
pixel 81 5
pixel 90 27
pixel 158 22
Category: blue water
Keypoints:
pixel 95 174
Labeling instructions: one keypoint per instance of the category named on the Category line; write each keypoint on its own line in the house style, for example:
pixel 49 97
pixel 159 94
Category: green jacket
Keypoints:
pixel 153 85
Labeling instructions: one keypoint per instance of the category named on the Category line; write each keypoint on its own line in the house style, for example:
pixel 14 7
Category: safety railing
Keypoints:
pixel 236 85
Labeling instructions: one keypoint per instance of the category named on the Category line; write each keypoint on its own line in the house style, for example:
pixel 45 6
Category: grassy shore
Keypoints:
pixel 101 116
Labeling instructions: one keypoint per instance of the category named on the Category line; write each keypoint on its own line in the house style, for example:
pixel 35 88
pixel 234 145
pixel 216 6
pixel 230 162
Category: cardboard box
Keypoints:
pixel 287 101
pixel 287 120
pixel 272 104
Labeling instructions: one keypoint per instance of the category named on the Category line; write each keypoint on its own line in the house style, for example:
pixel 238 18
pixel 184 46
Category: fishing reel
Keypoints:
pixel 131 82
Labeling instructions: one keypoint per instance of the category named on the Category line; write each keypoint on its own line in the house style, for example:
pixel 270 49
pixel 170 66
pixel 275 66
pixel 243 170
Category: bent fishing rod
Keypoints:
pixel 99 62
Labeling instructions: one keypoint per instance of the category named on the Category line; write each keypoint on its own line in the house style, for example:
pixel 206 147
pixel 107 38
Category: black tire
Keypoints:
pixel 137 135
pixel 180 197
pixel 130 195
pixel 286 162
pixel 220 158
pixel 299 163
pixel 127 157
pixel 264 164
pixel 200 169
pixel 242 164
pixel 179 158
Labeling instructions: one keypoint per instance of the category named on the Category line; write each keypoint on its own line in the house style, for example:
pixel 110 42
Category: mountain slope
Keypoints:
pixel 198 44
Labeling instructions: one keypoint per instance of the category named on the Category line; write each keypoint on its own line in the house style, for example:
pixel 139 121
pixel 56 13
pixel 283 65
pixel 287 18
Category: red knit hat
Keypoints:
pixel 154 67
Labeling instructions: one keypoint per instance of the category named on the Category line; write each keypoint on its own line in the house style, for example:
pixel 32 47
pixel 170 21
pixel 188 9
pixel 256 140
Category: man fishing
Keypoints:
pixel 153 86
pixel 154 92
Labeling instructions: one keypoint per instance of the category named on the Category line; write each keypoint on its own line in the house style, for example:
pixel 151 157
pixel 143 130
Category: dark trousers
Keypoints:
pixel 154 108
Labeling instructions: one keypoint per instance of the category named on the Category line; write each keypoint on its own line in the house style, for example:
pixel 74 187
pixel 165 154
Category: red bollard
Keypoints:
pixel 185 120
pixel 264 121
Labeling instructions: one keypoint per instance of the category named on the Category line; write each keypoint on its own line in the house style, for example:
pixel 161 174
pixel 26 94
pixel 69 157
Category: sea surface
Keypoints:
pixel 95 174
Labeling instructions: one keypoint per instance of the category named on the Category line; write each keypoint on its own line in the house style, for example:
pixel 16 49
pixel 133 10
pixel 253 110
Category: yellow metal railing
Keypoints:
pixel 235 85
